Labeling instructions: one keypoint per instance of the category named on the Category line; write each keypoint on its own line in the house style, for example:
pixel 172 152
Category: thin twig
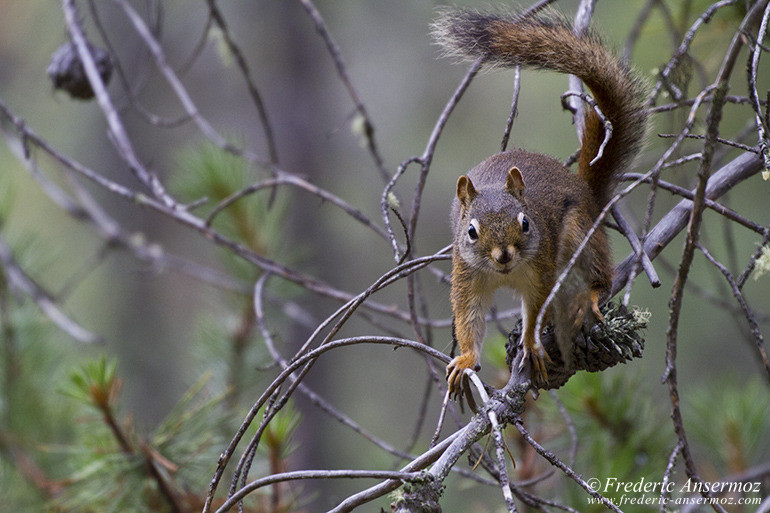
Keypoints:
pixel 131 95
pixel 440 421
pixel 741 168
pixel 580 27
pixel 675 304
pixel 606 122
pixel 293 366
pixel 750 318
pixel 754 54
pixel 187 219
pixel 302 353
pixel 718 139
pixel 497 433
pixel 389 202
pixel 570 426
pixel 665 492
pixel 713 205
pixel 377 491
pixel 284 178
pixel 339 63
pixel 636 29
pixel 256 97
pixel 179 89
pixel 753 260
pixel 117 130
pixel 514 108
pixel 556 462
pixel 636 244
pixel 18 279
pixel 313 396
pixel 682 50
pixel 319 474
pixel 739 100
pixel 430 148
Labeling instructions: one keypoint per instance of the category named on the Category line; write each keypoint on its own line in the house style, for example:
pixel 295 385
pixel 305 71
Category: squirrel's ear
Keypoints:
pixel 466 192
pixel 514 183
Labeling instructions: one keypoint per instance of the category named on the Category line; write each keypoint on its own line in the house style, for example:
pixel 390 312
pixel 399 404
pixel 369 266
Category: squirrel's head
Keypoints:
pixel 494 232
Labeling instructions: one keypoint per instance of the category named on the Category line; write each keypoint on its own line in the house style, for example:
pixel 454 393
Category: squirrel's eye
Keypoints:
pixel 523 222
pixel 473 230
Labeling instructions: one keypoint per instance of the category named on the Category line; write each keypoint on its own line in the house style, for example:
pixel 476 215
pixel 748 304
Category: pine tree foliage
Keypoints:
pixel 65 443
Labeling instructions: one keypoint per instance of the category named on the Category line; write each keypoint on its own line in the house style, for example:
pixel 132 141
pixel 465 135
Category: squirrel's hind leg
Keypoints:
pixel 587 306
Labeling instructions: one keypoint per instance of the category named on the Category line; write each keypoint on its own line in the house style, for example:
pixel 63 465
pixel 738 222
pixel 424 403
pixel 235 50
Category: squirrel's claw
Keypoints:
pixel 455 375
pixel 595 309
pixel 538 358
pixel 454 380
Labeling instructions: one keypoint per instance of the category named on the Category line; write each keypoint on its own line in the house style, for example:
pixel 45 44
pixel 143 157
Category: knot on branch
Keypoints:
pixel 617 340
pixel 423 499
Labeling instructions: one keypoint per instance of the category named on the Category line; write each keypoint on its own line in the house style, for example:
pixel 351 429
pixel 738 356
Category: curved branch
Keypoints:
pixel 287 371
pixel 413 477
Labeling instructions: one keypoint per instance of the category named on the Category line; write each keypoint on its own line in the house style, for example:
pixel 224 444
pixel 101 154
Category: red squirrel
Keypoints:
pixel 518 216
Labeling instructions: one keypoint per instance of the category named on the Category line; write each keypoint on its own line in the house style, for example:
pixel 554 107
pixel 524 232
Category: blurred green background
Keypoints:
pixel 165 329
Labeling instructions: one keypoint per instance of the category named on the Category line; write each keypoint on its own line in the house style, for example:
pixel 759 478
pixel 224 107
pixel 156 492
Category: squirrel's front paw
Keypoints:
pixel 538 358
pixel 455 373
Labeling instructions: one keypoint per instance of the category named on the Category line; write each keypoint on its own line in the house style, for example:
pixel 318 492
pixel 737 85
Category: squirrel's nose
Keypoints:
pixel 501 255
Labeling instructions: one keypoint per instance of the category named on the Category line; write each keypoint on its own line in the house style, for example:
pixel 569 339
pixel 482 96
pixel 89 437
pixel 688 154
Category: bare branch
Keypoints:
pixel 18 278
pixel 664 489
pixel 583 17
pixel 438 128
pixel 130 93
pixel 556 462
pixel 256 97
pixel 334 51
pixel 606 122
pixel 741 168
pixel 713 205
pixel 682 50
pixel 762 128
pixel 514 108
pixel 297 364
pixel 381 489
pixel 117 130
pixel 318 474
pixel 753 325
pixel 181 92
pixel 693 232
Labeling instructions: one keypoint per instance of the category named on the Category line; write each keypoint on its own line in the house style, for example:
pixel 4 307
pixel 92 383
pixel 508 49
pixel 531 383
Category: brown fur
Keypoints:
pixel 546 41
pixel 520 216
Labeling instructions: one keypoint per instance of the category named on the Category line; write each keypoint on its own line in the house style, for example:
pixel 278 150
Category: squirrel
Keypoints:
pixel 518 216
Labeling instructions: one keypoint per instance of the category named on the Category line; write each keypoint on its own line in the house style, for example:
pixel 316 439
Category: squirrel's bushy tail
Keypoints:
pixel 546 41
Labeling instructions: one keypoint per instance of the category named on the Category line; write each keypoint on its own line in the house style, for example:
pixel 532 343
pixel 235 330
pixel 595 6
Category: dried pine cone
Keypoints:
pixel 67 73
pixel 597 348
